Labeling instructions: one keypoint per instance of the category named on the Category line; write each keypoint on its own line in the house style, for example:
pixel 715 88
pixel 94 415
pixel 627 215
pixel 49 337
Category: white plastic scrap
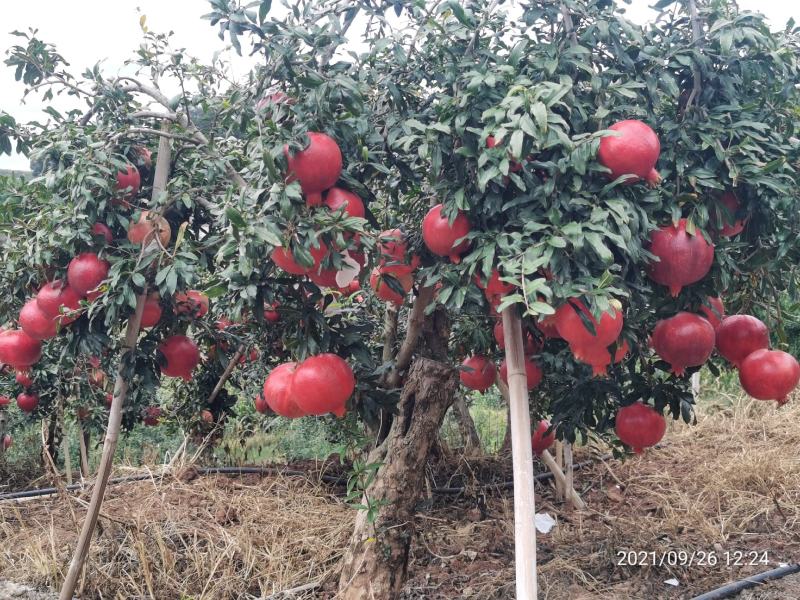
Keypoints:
pixel 544 522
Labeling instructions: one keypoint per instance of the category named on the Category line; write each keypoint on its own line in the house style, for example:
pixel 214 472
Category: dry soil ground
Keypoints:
pixel 730 484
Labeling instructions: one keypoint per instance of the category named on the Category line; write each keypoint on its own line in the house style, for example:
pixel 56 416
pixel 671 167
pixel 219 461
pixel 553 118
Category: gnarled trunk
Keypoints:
pixel 466 427
pixel 375 564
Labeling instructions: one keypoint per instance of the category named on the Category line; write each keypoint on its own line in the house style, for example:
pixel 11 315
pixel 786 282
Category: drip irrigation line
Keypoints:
pixel 332 479
pixel 729 589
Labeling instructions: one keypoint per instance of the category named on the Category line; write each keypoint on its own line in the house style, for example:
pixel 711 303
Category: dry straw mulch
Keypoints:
pixel 731 483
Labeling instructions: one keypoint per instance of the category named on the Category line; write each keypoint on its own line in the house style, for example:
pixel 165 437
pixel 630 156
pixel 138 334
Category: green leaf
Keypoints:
pixel 539 111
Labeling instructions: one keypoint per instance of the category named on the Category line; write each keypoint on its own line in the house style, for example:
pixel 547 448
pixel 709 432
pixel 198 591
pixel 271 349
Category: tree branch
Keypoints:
pixel 156 132
pixel 415 319
pixel 569 25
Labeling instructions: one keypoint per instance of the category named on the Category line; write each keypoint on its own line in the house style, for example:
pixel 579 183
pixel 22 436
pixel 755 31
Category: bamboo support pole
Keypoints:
pixel 561 482
pixel 559 450
pixel 522 456
pixel 569 474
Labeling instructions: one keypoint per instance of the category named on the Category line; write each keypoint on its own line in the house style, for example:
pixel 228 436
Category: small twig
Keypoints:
pixel 294 591
pixel 156 132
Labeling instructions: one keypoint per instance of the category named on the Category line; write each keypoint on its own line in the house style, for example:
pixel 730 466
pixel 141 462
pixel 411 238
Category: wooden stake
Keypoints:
pixel 84 454
pixel 561 482
pixel 522 456
pixel 115 414
pixel 559 450
pixel 569 474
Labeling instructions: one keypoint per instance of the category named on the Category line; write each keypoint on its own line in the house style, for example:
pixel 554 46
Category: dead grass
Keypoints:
pixel 731 483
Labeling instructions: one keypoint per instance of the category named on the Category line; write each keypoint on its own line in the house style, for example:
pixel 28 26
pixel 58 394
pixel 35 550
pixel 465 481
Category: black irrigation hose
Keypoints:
pixel 336 480
pixel 729 589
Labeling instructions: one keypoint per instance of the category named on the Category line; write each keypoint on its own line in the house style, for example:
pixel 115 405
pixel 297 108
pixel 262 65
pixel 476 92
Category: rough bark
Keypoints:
pixel 376 561
pixel 466 426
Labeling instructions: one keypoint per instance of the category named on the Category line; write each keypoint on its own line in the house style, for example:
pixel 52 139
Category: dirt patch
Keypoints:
pixel 730 485
pixel 15 591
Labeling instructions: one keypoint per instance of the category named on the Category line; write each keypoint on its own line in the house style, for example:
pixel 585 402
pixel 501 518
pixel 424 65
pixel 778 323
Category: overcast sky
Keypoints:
pixel 72 27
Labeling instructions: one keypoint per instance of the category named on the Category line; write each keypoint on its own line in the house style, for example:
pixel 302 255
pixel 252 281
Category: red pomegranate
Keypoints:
pixel 152 416
pixel 440 236
pixel 640 426
pixel 129 181
pixel 251 356
pixel 514 166
pixel 148 227
pixel 599 358
pixel 769 375
pixel 685 340
pixel 181 356
pixel 18 349
pixel 633 151
pixel 4 400
pixel 35 323
pixel 277 391
pixel 547 325
pixel 494 287
pixel 316 168
pixel 27 402
pixel 731 226
pixel 206 416
pixel 151 314
pixel 284 258
pixel 477 373
pixel 532 371
pixel 94 362
pixel 384 291
pixel 541 440
pixel 277 97
pixel 86 272
pixel 324 278
pixel 683 258
pixel 714 311
pixel 8 441
pixel 23 377
pixel 532 345
pixel 571 327
pixel 739 335
pixel 392 246
pixel 57 298
pixel 260 404
pixel 323 384
pixel 97 378
pixel 102 230
pixel 271 313
pixel 337 198
pixel 192 302
pixel 109 399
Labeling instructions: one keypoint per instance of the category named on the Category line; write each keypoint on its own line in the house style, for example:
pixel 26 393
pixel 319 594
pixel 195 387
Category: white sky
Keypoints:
pixel 91 30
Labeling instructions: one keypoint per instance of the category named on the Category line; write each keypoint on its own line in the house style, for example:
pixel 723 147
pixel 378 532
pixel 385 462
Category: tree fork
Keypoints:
pixel 115 414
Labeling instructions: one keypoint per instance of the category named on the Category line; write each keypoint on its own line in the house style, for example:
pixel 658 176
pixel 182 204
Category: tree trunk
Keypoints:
pixel 51 447
pixel 376 561
pixel 466 426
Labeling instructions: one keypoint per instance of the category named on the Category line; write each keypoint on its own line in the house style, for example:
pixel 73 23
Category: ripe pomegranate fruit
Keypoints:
pixel 56 298
pixel 277 97
pixel 384 291
pixel 109 399
pixel 685 340
pixel 277 391
pixel 4 400
pixel 599 358
pixel 477 373
pixel 322 384
pixel 182 356
pixel 633 151
pixel 284 258
pixel 35 323
pixel 271 313
pixel 102 230
pixel 148 227
pixel 337 198
pixel 193 302
pixel 316 168
pixel 547 325
pixel 639 426
pixel 532 371
pixel 739 335
pixel 18 349
pixel 152 416
pixel 8 441
pixel 86 272
pixel 494 287
pixel 571 327
pixel 683 258
pixel 514 165
pixel 532 345
pixel 392 246
pixel 206 416
pixel 27 402
pixel 440 236
pixel 128 181
pixel 23 377
pixel 97 378
pixel 151 314
pixel 769 375
pixel 541 440
pixel 261 404
pixel 714 311
pixel 251 356
pixel 731 226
